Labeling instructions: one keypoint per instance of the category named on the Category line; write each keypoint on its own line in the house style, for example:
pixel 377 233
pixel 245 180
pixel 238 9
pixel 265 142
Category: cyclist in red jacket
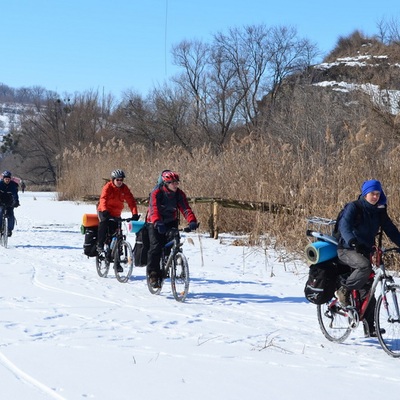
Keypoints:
pixel 111 204
pixel 166 200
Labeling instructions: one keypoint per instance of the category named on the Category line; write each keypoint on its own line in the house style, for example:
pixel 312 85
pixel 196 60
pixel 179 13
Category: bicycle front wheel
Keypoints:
pixel 4 237
pixel 123 261
pixel 180 277
pixel 334 322
pixel 387 320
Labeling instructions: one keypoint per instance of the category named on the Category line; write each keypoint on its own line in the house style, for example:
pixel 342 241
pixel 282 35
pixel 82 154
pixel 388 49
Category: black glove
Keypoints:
pixel 135 217
pixel 358 247
pixel 193 226
pixel 160 226
pixel 16 204
pixel 104 215
pixel 353 243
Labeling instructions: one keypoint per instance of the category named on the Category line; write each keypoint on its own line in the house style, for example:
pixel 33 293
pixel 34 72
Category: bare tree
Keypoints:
pixel 49 127
pixel 289 55
pixel 389 31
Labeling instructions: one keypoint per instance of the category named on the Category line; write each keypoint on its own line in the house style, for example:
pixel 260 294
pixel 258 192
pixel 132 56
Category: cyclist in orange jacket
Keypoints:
pixel 111 204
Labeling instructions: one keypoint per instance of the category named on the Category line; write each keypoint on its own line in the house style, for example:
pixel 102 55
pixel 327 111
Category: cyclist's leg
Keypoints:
pixel 154 254
pixel 360 265
pixel 369 325
pixel 102 232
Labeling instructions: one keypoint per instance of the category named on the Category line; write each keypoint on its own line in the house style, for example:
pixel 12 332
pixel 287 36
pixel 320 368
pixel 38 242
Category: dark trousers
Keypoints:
pixel 105 225
pixel 157 242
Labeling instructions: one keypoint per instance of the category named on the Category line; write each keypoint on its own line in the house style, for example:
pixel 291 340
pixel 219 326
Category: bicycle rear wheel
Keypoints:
pixel 333 321
pixel 180 277
pixel 4 237
pixel 123 258
pixel 387 320
pixel 102 266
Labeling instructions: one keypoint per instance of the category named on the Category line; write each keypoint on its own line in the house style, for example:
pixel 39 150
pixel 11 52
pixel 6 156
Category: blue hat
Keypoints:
pixel 373 186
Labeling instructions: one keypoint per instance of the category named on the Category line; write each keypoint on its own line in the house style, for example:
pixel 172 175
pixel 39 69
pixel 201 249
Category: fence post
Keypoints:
pixel 215 219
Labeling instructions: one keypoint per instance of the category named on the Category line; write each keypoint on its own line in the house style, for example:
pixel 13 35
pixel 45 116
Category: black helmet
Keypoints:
pixel 117 173
pixel 6 174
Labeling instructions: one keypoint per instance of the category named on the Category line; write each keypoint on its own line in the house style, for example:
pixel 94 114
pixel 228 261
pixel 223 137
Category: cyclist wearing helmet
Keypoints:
pixel 111 204
pixel 166 200
pixel 8 199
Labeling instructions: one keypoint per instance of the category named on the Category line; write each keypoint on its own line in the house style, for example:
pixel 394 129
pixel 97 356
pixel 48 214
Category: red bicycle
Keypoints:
pixel 337 322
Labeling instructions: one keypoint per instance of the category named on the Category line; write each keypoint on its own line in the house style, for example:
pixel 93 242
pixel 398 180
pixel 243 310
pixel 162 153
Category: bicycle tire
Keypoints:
pixel 4 237
pixel 123 257
pixel 102 266
pixel 152 289
pixel 334 324
pixel 387 318
pixel 180 277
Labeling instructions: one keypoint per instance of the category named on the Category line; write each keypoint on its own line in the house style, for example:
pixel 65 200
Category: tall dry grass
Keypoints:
pixel 252 169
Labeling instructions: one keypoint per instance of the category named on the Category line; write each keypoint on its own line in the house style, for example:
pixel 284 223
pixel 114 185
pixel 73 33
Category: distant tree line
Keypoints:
pixel 251 81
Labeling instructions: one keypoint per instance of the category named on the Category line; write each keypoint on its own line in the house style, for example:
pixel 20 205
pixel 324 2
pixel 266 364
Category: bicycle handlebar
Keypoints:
pixel 394 249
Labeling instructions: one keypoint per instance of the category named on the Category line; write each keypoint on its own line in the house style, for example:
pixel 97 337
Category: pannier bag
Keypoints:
pixel 323 280
pixel 90 223
pixel 141 247
pixel 90 243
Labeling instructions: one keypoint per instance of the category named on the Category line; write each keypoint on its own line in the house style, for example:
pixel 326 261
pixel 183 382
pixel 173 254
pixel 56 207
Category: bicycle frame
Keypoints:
pixel 176 247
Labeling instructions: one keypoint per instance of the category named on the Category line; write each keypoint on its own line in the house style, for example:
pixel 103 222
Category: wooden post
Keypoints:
pixel 215 219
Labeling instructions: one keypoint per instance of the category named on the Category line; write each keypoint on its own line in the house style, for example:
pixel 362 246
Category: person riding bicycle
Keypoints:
pixel 111 203
pixel 8 199
pixel 358 228
pixel 166 199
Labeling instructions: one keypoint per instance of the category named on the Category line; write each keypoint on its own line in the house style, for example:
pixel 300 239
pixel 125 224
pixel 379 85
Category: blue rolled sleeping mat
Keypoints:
pixel 320 251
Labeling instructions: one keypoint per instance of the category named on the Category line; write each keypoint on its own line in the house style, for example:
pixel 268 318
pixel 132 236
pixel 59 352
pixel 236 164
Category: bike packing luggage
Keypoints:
pixel 141 247
pixel 323 280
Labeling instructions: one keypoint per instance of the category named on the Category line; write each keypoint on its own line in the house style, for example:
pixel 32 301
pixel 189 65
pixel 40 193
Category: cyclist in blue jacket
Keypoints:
pixel 358 227
pixel 8 199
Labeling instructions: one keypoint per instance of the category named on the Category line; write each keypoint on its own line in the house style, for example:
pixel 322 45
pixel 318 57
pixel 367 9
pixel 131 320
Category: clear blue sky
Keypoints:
pixel 113 45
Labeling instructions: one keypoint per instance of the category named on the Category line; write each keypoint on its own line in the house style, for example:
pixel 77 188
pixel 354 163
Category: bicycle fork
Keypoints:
pixel 392 293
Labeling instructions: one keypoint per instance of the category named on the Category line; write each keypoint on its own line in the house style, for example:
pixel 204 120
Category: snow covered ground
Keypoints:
pixel 244 331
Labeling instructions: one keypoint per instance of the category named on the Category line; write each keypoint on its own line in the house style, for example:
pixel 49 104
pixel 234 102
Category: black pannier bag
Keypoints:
pixel 90 243
pixel 141 247
pixel 323 280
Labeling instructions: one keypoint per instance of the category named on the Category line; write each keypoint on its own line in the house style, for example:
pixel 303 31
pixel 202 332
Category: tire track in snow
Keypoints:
pixel 28 379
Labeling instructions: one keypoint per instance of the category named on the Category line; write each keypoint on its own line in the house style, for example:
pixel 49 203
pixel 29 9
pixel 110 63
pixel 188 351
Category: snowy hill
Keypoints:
pixel 244 331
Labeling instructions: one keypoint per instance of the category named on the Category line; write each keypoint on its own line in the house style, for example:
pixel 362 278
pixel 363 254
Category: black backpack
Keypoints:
pixel 359 216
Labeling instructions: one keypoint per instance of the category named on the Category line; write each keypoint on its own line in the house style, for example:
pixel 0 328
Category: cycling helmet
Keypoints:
pixel 169 176
pixel 117 173
pixel 6 174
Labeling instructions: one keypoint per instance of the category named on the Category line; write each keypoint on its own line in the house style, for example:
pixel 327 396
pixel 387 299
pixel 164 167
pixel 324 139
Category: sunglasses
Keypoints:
pixel 173 182
pixel 119 180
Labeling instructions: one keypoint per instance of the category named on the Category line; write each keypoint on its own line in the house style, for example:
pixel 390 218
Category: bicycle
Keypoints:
pixel 117 251
pixel 173 265
pixel 337 321
pixel 4 226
